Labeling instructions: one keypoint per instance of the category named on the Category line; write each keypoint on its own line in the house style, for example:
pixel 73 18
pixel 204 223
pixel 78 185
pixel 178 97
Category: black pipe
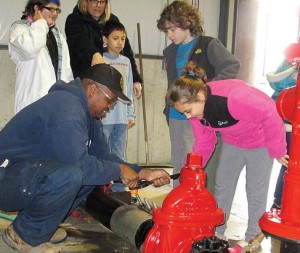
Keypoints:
pixel 102 206
pixel 127 221
pixel 286 245
pixel 289 247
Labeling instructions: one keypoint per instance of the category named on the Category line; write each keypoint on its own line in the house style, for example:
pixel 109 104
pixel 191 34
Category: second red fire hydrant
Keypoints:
pixel 189 213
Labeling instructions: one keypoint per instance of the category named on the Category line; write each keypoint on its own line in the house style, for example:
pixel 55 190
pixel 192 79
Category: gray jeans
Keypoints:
pixel 258 171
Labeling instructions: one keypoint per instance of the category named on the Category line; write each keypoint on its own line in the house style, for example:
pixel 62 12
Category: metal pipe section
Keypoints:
pixel 131 224
pixel 126 221
pixel 289 247
pixel 101 206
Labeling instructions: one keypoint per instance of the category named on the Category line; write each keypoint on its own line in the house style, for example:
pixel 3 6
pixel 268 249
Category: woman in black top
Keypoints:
pixel 84 37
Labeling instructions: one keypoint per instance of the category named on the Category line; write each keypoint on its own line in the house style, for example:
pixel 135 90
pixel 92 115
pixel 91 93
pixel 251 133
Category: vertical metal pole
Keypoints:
pixel 166 43
pixel 143 94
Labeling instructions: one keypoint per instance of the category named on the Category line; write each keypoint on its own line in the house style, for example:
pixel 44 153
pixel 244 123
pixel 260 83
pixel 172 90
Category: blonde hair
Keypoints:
pixel 185 89
pixel 83 9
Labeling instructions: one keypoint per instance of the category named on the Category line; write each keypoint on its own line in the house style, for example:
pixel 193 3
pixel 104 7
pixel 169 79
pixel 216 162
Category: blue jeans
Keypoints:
pixel 44 192
pixel 116 136
pixel 280 181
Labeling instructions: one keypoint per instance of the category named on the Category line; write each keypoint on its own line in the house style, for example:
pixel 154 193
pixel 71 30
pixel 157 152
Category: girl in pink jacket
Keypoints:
pixel 252 132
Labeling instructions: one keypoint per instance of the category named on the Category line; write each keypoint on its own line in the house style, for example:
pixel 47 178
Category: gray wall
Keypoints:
pixel 158 134
pixel 146 13
pixel 155 89
pixel 7 87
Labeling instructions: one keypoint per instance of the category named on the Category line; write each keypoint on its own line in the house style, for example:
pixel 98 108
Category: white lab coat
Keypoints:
pixel 35 73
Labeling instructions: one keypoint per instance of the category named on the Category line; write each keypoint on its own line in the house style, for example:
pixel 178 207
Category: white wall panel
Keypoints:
pixel 145 12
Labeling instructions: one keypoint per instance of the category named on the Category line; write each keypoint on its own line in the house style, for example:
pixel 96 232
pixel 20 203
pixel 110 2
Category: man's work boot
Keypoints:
pixel 12 239
pixel 59 236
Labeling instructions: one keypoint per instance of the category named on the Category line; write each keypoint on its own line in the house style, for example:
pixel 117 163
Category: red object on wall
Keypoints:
pixel 189 213
pixel 292 51
pixel 285 223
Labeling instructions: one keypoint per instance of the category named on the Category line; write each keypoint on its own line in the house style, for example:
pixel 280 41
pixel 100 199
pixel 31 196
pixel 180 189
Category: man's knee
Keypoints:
pixel 71 176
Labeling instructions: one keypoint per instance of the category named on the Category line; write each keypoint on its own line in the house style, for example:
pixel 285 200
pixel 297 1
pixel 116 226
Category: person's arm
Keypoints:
pixel 225 63
pixel 75 139
pixel 158 177
pixel 67 74
pixel 27 41
pixel 130 107
pixel 68 143
pixel 127 51
pixel 205 140
pixel 137 80
pixel 80 42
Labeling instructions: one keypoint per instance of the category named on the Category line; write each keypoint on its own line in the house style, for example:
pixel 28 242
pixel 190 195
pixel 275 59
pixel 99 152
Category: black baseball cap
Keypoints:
pixel 110 77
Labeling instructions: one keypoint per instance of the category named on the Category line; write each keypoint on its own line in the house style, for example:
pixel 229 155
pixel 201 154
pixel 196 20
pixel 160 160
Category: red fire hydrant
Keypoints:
pixel 189 213
pixel 284 224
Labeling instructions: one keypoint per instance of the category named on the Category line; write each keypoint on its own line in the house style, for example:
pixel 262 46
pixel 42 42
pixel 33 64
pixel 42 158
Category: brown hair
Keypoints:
pixel 29 8
pixel 186 88
pixel 81 4
pixel 183 15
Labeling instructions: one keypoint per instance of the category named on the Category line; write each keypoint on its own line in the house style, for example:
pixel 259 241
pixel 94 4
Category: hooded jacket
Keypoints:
pixel 244 116
pixel 59 126
pixel 208 53
pixel 84 37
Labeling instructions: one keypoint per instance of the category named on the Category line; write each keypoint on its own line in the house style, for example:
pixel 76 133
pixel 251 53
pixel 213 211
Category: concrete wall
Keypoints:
pixel 7 87
pixel 155 89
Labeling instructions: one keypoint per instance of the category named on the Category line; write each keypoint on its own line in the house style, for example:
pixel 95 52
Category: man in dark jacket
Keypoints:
pixel 57 155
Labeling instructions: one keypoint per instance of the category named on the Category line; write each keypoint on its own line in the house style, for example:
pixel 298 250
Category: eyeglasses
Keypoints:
pixel 111 102
pixel 52 9
pixel 95 2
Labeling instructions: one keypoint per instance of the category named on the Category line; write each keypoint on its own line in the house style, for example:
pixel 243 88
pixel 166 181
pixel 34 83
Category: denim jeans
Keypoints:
pixel 116 136
pixel 280 180
pixel 44 192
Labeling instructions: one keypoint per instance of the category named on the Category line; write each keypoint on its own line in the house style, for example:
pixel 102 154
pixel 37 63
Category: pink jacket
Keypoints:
pixel 258 123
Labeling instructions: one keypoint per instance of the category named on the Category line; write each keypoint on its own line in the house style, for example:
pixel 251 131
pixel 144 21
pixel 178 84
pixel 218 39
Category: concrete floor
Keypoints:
pixel 237 223
pixel 87 235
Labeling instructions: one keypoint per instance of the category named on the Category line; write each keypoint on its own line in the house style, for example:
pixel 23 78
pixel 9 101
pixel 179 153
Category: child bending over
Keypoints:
pixel 252 131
